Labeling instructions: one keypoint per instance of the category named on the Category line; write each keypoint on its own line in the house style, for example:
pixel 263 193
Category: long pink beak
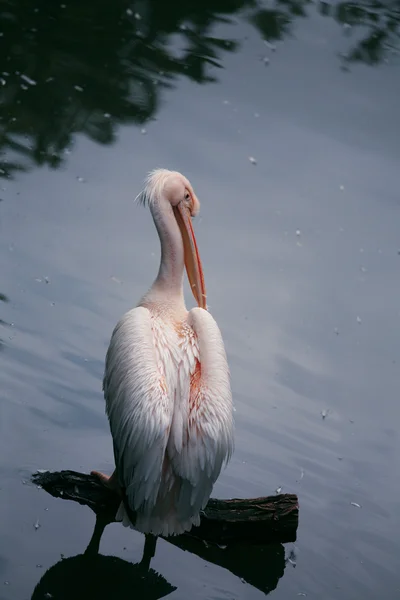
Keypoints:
pixel 193 264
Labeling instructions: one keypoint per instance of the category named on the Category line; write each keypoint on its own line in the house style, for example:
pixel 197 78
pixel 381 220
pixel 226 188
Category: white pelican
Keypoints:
pixel 166 382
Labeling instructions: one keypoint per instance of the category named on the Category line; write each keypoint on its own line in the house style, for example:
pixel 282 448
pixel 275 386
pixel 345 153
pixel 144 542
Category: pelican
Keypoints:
pixel 166 382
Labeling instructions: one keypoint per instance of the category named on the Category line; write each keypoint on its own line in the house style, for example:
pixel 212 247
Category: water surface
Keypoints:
pixel 284 117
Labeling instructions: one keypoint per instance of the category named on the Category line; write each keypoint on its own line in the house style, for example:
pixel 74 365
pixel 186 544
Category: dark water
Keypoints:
pixel 302 261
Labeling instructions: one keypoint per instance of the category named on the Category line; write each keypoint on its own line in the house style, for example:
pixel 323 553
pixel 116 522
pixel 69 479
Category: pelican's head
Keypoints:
pixel 174 188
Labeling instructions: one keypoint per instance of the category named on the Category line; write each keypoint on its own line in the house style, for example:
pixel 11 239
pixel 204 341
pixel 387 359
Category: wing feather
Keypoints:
pixel 204 440
pixel 138 406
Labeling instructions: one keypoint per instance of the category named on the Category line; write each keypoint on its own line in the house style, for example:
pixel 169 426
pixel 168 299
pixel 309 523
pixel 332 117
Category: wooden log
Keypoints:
pixel 270 519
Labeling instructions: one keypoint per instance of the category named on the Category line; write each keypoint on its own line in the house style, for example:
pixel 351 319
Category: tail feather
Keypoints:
pixel 122 516
pixel 157 524
pixel 176 508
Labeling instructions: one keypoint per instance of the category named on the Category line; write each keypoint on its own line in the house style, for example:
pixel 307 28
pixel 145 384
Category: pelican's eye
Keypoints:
pixel 187 198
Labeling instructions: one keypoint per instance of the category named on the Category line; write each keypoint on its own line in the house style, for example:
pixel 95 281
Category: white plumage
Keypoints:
pixel 166 381
pixel 171 438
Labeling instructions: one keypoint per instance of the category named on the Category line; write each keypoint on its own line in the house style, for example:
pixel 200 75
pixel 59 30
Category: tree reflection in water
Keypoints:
pixel 84 67
pixel 379 22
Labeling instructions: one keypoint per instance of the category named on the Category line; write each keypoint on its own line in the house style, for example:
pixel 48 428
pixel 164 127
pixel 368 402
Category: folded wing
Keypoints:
pixel 139 408
pixel 202 439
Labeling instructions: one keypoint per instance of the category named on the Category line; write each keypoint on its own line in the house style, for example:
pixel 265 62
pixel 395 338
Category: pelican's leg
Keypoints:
pixel 149 551
pixel 94 544
pixel 109 481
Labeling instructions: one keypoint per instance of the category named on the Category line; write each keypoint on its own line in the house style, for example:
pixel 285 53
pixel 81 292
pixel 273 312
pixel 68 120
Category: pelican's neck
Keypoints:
pixel 168 285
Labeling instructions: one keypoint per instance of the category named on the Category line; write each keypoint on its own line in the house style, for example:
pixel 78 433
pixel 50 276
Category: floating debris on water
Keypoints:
pixel 324 413
pixel 138 17
pixel 266 60
pixel 28 79
pixel 129 12
pixel 80 179
pixel 269 45
pixel 292 559
pixel 78 88
pixel 363 269
pixel 298 232
pixel 256 116
pixel 252 160
pixel 336 330
pixel 143 131
pixel 341 188
pixel 355 504
pixel 106 115
pixel 358 319
pixel 226 102
pixel 37 525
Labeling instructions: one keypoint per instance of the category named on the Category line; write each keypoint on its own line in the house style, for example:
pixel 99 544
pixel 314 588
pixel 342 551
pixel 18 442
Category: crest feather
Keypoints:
pixel 153 186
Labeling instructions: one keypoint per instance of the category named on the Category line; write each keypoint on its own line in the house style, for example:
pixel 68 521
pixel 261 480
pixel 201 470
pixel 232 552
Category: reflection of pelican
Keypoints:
pixel 77 577
pixel 166 381
pixel 99 577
